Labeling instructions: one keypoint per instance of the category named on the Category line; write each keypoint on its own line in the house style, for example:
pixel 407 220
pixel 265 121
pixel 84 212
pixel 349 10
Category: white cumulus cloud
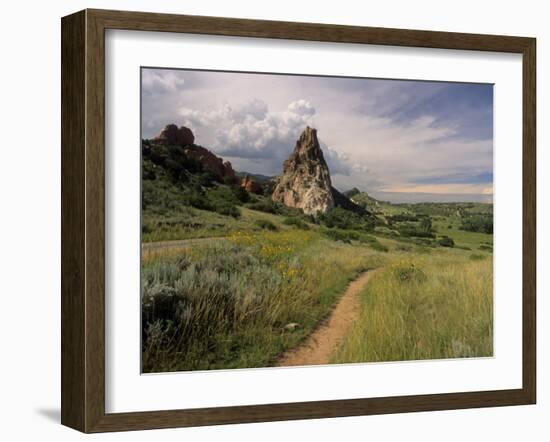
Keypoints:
pixel 252 132
pixel 161 81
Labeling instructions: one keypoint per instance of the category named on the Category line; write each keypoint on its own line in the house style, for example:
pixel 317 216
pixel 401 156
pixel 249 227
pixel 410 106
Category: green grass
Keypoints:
pixel 232 299
pixel 266 224
pixel 461 237
pixel 191 223
pixel 226 305
pixel 195 206
pixel 296 222
pixel 424 308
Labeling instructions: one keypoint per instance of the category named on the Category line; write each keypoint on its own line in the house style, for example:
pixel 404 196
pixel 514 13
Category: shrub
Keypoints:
pixel 446 242
pixel 426 225
pixel 296 222
pixel 345 219
pixel 478 223
pixel 485 247
pixel 173 160
pixel 265 205
pixel 401 217
pixel 266 224
pixel 222 195
pixel 341 235
pixel 241 194
pixel 413 230
pixel 421 229
pixel 348 236
pixel 199 201
pixel 228 210
pixel 408 273
pixel 223 304
pixel 148 171
pixel 185 305
pixel 219 199
pixel 231 180
pixel 477 257
pixel 207 178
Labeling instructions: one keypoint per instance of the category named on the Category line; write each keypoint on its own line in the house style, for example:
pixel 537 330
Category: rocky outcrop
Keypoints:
pixel 184 138
pixel 174 136
pixel 251 185
pixel 210 161
pixel 305 182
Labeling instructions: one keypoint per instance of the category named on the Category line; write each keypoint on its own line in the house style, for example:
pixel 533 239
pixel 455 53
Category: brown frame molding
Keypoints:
pixel 83 216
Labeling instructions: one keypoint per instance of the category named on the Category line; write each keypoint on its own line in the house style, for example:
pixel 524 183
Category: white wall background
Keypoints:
pixel 30 217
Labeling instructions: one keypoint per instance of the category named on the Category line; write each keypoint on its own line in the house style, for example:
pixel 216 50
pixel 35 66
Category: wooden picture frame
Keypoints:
pixel 83 220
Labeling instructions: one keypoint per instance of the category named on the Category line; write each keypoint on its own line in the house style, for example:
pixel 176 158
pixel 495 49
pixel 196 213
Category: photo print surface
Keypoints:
pixel 297 220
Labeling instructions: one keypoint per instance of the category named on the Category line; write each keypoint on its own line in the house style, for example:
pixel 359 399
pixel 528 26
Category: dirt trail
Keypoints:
pixel 324 341
pixel 179 243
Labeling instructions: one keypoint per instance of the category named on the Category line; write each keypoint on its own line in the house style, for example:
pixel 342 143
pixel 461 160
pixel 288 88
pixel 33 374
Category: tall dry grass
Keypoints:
pixel 225 305
pixel 424 308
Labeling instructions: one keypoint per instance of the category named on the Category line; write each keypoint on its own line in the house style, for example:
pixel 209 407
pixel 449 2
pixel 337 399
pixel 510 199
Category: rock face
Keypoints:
pixel 172 135
pixel 251 185
pixel 305 182
pixel 210 161
pixel 183 137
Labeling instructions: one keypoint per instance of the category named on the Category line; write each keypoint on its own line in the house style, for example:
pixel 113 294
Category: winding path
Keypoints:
pixel 324 341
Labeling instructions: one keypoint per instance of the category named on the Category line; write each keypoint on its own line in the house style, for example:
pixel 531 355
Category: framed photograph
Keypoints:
pixel 267 220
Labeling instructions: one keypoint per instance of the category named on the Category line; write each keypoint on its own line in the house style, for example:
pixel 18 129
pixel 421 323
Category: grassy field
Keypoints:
pixel 227 305
pixel 264 277
pixel 196 223
pixel 424 308
pixel 451 226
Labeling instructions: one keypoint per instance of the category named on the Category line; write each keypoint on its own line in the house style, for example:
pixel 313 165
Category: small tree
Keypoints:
pixel 426 225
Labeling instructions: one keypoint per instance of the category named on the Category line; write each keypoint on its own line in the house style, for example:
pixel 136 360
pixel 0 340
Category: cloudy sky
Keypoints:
pixel 399 140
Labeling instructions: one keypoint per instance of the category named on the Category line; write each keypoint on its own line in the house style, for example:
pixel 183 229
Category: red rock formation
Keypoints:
pixel 210 161
pixel 228 170
pixel 172 135
pixel 251 185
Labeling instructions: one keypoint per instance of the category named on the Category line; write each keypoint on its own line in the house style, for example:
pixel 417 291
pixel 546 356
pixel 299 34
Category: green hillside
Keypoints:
pixel 227 301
